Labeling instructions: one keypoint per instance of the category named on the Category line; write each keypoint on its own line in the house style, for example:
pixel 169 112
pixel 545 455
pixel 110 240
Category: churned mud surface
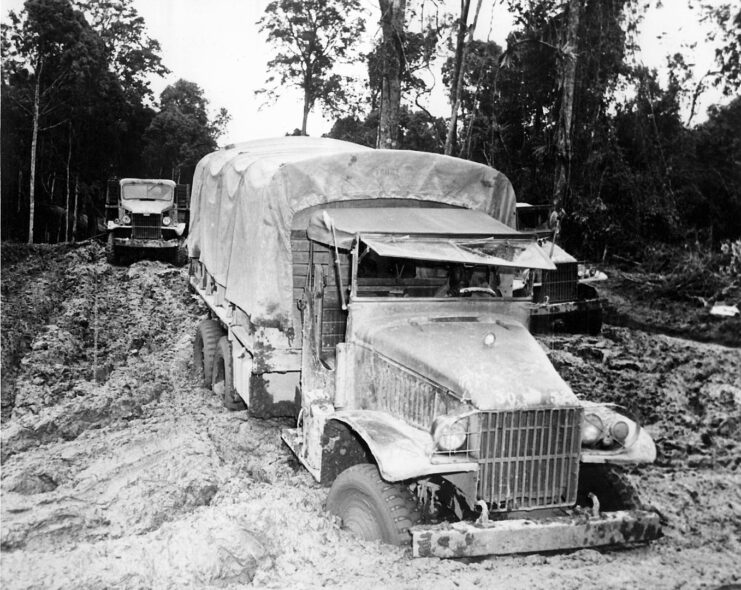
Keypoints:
pixel 120 470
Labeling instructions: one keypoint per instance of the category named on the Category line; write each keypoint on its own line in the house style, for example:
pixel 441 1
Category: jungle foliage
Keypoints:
pixel 77 109
pixel 636 172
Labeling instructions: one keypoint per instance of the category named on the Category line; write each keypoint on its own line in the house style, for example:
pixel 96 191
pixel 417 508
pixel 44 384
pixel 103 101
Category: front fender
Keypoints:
pixel 401 451
pixel 643 450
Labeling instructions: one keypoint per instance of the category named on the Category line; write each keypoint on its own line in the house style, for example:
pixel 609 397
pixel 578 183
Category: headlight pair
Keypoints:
pixel 605 428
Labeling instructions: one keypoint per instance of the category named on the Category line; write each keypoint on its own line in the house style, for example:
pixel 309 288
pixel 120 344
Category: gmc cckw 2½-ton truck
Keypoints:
pixel 381 299
pixel 147 214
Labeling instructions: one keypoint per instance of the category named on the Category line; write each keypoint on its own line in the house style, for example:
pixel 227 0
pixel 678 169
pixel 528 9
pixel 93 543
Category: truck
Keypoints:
pixel 566 299
pixel 376 299
pixel 149 215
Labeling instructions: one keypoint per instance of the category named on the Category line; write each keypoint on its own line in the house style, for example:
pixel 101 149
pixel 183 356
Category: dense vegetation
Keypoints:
pixel 77 109
pixel 565 110
pixel 637 173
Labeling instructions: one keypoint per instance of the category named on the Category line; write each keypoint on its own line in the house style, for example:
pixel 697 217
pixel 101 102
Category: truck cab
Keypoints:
pixel 147 215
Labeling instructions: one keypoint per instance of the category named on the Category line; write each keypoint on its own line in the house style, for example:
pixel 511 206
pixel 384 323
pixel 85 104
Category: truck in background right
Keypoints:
pixel 565 301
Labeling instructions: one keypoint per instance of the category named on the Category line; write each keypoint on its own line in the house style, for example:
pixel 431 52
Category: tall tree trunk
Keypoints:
pixel 20 191
pixel 66 207
pixel 34 142
pixel 392 54
pixel 457 69
pixel 307 109
pixel 51 201
pixel 74 215
pixel 568 82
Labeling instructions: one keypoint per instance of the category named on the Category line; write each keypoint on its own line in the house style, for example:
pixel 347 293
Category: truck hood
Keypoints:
pixel 491 361
pixel 146 207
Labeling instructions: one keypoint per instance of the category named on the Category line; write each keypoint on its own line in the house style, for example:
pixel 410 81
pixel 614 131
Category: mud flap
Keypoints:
pixel 466 539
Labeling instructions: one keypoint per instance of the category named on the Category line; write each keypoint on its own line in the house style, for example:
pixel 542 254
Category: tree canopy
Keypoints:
pixel 76 102
pixel 310 37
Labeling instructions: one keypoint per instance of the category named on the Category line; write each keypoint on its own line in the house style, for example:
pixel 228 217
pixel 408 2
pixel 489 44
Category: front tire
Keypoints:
pixel 207 338
pixel 371 508
pixel 111 255
pixel 222 376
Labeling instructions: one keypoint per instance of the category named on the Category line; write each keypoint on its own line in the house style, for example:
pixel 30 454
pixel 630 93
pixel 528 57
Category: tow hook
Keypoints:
pixel 484 518
pixel 595 504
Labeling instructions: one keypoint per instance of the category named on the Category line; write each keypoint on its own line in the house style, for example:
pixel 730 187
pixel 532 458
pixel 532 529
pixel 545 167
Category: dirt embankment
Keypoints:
pixel 119 470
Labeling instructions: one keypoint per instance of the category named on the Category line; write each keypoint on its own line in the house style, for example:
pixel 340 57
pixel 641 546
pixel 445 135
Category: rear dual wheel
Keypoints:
pixel 222 376
pixel 206 341
pixel 212 360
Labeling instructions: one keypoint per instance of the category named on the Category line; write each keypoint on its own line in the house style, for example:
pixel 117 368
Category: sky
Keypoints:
pixel 217 45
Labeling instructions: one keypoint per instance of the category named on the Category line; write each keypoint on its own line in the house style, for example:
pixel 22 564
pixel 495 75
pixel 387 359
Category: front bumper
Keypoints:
pixel 139 243
pixel 466 539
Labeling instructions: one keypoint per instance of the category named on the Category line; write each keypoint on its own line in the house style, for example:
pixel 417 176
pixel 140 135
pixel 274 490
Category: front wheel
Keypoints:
pixel 111 255
pixel 222 376
pixel 371 508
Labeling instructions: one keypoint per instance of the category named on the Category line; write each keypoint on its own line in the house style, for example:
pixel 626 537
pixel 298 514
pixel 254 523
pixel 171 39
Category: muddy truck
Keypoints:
pixel 147 215
pixel 565 297
pixel 375 298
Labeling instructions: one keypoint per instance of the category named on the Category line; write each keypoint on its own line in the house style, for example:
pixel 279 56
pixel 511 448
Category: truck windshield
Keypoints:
pixel 147 192
pixel 380 276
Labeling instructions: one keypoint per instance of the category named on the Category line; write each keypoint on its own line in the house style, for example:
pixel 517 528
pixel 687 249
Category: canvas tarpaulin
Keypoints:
pixel 244 199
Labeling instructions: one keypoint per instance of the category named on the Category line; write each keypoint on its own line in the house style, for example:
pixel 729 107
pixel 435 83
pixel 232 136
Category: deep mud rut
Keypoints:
pixel 120 470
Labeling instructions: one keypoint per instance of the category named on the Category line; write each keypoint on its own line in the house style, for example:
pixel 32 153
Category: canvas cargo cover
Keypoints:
pixel 244 199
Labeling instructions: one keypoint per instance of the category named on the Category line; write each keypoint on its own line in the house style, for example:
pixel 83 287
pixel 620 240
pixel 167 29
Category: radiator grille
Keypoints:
pixel 405 394
pixel 146 227
pixel 559 285
pixel 529 458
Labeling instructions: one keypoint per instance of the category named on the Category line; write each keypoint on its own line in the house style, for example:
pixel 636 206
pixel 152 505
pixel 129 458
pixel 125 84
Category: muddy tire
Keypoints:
pixel 222 376
pixel 111 255
pixel 180 256
pixel 207 338
pixel 611 486
pixel 372 508
pixel 594 322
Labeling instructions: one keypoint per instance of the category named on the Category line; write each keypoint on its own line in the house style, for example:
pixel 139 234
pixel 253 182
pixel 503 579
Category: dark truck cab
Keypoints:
pixel 565 300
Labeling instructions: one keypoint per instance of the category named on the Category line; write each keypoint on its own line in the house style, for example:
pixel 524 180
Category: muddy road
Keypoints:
pixel 120 470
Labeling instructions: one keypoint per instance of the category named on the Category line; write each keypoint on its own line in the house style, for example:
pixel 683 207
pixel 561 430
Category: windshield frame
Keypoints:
pixel 165 188
pixel 353 287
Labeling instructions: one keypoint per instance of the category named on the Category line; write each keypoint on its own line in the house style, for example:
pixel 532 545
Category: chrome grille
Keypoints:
pixel 146 227
pixel 559 285
pixel 529 458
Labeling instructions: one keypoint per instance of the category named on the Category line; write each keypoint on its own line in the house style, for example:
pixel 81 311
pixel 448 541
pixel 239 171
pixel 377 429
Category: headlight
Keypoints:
pixel 166 221
pixel 450 433
pixel 592 429
pixel 126 220
pixel 605 428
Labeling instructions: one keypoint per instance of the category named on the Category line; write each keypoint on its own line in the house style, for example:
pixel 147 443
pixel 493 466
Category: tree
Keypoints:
pixel 461 51
pixel 310 38
pixel 133 56
pixel 392 59
pixel 565 113
pixel 51 48
pixel 182 132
